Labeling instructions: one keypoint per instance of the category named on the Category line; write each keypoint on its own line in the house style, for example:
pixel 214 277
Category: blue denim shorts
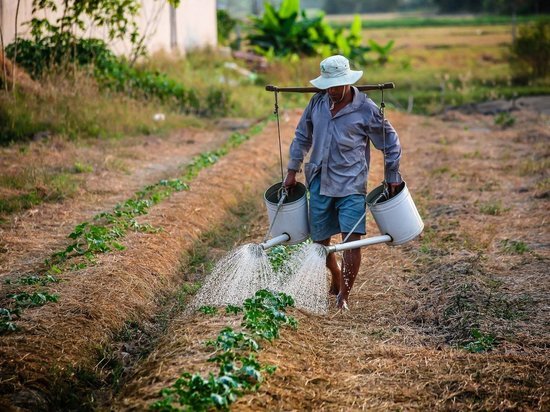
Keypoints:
pixel 329 216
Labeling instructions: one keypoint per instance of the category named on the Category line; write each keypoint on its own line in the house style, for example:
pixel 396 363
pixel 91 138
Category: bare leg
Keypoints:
pixel 335 272
pixel 350 267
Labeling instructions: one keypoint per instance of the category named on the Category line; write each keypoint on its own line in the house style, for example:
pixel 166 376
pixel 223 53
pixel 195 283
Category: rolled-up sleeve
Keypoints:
pixel 388 142
pixel 302 140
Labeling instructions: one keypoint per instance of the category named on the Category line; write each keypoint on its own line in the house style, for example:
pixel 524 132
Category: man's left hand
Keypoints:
pixel 394 188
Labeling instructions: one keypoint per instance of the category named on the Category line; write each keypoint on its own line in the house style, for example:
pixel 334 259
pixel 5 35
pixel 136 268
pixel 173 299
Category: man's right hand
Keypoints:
pixel 290 179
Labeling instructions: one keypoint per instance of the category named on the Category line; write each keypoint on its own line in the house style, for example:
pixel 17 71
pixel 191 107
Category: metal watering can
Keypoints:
pixel 397 218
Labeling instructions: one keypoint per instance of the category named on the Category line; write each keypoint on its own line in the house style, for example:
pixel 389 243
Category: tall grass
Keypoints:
pixel 73 106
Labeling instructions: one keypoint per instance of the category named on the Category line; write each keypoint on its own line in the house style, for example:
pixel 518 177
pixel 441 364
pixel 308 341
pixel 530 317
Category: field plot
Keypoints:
pixel 455 320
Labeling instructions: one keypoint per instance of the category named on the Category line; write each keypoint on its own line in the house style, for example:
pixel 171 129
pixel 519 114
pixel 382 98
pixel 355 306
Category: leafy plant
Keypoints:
pixel 494 208
pixel 239 371
pixel 208 310
pixel 383 51
pixel 25 299
pixel 482 342
pixel 226 24
pixel 287 31
pixel 6 320
pixel 34 280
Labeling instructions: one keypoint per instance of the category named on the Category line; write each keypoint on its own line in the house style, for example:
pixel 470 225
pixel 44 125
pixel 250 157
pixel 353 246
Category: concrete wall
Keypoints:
pixel 191 26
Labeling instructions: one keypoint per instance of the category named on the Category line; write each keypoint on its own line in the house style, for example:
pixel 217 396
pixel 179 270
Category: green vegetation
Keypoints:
pixel 104 232
pixel 239 370
pixel 288 32
pixel 481 342
pixel 514 246
pixel 504 120
pixel 530 51
pixel 423 22
pixel 279 254
pixel 208 310
pixel 493 208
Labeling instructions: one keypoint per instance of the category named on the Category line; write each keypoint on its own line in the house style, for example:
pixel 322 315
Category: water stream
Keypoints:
pixel 247 269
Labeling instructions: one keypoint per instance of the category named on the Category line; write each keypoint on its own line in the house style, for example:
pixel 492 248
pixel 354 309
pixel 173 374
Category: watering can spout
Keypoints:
pixel 358 243
pixel 277 240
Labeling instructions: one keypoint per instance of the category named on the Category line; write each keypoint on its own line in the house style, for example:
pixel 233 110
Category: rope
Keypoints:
pixel 385 191
pixel 276 112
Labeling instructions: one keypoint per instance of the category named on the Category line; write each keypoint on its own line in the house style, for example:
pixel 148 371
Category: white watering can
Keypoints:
pixel 397 218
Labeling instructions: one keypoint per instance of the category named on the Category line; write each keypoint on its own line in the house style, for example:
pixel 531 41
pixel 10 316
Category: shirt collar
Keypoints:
pixel 358 99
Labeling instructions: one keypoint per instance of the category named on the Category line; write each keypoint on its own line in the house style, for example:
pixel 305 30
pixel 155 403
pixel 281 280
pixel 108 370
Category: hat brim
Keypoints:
pixel 326 82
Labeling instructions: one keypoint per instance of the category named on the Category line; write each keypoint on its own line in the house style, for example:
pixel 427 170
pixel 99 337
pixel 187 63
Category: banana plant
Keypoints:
pixel 382 51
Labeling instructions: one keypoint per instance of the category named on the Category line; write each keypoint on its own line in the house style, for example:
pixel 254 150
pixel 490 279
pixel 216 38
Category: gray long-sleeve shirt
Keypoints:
pixel 340 148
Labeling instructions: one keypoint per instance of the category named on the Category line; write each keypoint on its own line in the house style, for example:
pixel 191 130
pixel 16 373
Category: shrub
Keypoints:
pixel 226 24
pixel 530 51
pixel 288 31
pixel 59 51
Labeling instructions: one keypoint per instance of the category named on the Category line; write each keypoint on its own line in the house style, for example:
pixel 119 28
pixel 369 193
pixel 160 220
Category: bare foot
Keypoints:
pixel 342 303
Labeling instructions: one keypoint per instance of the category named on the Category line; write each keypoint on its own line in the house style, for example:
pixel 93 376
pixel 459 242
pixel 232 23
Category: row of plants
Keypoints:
pixel 235 355
pixel 103 234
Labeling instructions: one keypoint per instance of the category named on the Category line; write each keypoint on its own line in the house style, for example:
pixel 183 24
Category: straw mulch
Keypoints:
pixel 414 308
pixel 60 340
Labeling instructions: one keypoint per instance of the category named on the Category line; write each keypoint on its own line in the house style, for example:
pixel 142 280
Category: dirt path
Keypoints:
pixel 477 276
pixel 416 309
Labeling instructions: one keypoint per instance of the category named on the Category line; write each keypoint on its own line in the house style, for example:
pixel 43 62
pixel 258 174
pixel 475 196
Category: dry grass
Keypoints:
pixel 414 308
pixel 95 302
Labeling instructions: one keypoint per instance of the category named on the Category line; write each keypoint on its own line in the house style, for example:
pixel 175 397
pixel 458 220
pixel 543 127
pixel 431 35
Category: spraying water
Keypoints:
pixel 236 277
pixel 247 269
pixel 304 278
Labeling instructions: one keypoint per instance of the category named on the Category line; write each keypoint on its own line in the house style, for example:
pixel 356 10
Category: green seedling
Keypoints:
pixel 6 320
pixel 208 310
pixel 482 342
pixel 239 371
pixel 26 300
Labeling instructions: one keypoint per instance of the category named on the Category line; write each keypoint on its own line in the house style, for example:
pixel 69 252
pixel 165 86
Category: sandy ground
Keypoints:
pixel 481 190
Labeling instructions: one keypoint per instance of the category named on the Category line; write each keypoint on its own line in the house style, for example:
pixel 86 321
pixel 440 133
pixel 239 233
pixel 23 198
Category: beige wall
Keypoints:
pixel 195 24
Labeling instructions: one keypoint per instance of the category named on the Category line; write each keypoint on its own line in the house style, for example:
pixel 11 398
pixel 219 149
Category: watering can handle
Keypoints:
pixel 279 204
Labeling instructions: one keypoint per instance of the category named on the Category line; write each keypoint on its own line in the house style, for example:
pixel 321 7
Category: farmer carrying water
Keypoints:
pixel 337 126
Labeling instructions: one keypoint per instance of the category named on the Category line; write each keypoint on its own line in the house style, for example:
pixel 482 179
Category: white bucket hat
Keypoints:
pixel 335 71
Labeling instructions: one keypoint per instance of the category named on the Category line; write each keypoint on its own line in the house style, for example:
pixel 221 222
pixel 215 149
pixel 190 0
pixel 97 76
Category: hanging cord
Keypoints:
pixel 281 192
pixel 276 112
pixel 385 192
pixel 383 113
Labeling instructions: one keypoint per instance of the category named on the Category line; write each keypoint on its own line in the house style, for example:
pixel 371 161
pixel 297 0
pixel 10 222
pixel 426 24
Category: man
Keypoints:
pixel 337 126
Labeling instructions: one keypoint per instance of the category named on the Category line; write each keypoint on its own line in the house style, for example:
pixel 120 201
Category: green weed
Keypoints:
pixel 26 300
pixel 41 280
pixel 279 254
pixel 208 310
pixel 504 120
pixel 79 167
pixel 7 323
pixel 518 247
pixel 493 208
pixel 481 342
